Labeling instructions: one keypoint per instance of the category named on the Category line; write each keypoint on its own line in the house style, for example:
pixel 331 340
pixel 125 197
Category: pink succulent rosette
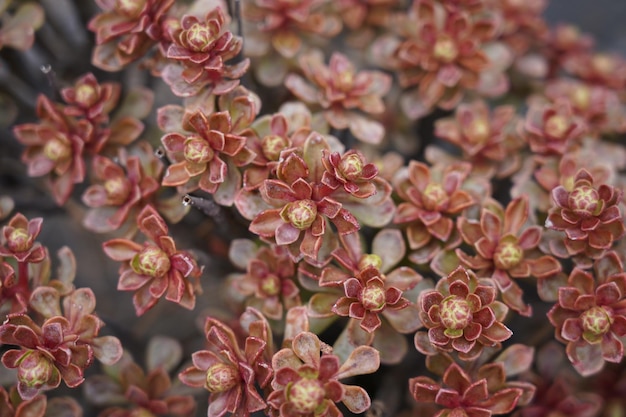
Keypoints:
pixel 304 206
pixel 372 291
pixel 206 150
pixel 271 138
pixel 598 68
pixel 19 25
pixel 488 139
pixel 590 315
pixel 478 392
pixel 230 373
pixel 123 189
pixel 18 239
pixel 595 105
pixel 155 268
pixel 269 282
pixel 589 215
pixel 307 383
pixel 431 198
pixel 552 129
pixel 462 315
pixel 127 389
pixel 504 251
pixel 367 295
pixel 442 55
pixel 282 24
pixel 201 48
pixel 343 93
pixel 351 172
pixel 91 100
pixel 54 148
pixel 126 30
pixel 361 15
pixel 557 390
pixel 62 347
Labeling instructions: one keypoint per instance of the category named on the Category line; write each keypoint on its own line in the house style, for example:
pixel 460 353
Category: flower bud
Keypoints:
pixel 301 214
pixel 370 259
pixel 455 313
pixel 197 150
pixel 57 148
pixel 117 189
pixel 306 395
pixel 151 261
pixel 270 285
pixel 556 126
pixel 19 240
pixel 445 49
pixel 35 369
pixel 596 322
pixel 199 37
pixel 373 298
pixel 584 200
pixel 351 166
pixel 86 95
pixel 272 146
pixel 507 255
pixel 434 196
pixel 130 8
pixel 221 377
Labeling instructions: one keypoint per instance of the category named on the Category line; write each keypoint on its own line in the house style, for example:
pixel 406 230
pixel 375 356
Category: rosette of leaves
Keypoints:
pixel 12 405
pixel 19 250
pixel 487 138
pixel 126 390
pixel 505 251
pixel 206 150
pixel 307 383
pixel 343 93
pixel 117 123
pixel 461 315
pixel 15 295
pixel 476 392
pixel 550 172
pixel 17 240
pixel 303 206
pixel 231 371
pixel 54 147
pixel 431 198
pixel 558 391
pixel 268 283
pixel 594 104
pixel 589 215
pixel 121 188
pixel 367 288
pixel 91 100
pixel 126 30
pixel 276 30
pixel 62 347
pixel 201 49
pixel 124 188
pixel 590 315
pixel 441 51
pixel 552 129
pixel 597 68
pixel 155 268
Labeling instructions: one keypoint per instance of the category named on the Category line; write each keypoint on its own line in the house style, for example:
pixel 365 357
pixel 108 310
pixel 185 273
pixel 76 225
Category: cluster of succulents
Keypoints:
pixel 422 203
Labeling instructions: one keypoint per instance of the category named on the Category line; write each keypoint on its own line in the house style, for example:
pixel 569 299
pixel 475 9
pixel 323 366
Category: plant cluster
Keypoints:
pixel 403 189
